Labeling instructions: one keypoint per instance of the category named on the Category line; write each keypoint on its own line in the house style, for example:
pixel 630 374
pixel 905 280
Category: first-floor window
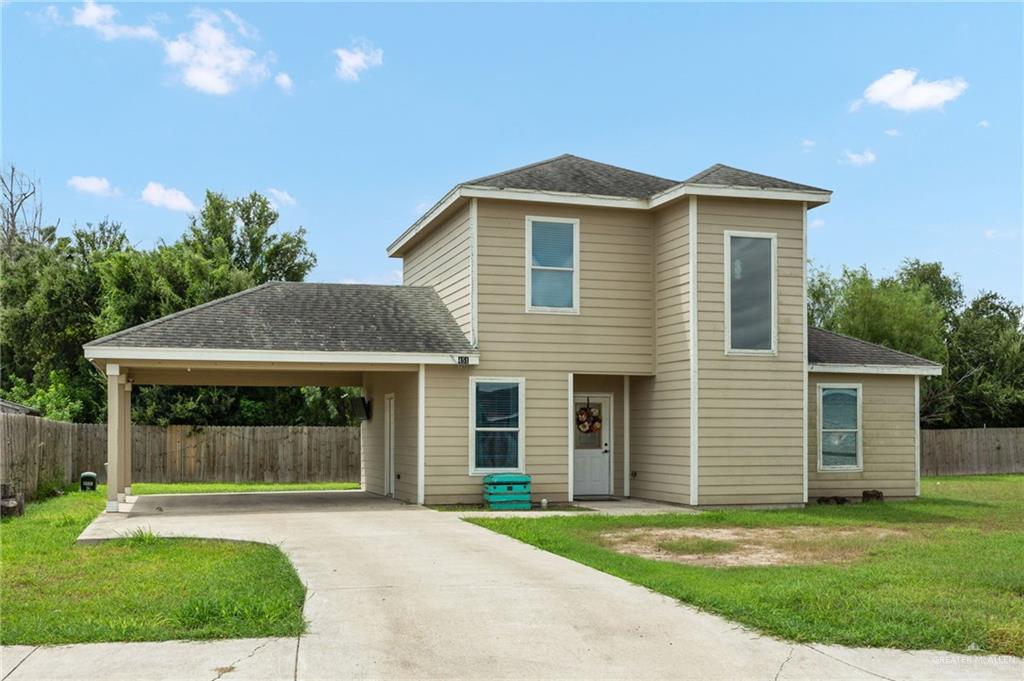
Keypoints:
pixel 840 427
pixel 496 437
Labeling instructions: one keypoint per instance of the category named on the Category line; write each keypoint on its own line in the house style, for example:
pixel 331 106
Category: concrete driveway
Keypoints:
pixel 402 592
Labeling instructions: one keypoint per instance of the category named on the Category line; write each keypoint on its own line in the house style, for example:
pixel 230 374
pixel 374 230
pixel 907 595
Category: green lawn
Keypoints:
pixel 142 588
pixel 949 574
pixel 210 487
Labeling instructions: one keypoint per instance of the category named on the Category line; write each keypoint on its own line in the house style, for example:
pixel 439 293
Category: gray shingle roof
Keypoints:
pixel 568 173
pixel 576 175
pixel 727 176
pixel 825 347
pixel 308 317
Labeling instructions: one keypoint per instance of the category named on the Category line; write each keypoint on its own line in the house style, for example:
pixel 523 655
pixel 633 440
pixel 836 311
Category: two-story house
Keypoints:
pixel 606 331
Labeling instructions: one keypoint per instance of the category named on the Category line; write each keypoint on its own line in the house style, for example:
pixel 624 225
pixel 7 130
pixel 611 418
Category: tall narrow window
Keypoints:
pixel 552 255
pixel 750 292
pixel 839 429
pixel 496 437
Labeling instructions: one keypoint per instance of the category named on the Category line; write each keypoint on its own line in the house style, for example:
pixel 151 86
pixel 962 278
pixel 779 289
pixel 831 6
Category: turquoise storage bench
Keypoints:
pixel 507 491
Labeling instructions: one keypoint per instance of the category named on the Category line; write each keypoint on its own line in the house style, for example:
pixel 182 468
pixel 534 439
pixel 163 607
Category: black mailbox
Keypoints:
pixel 87 482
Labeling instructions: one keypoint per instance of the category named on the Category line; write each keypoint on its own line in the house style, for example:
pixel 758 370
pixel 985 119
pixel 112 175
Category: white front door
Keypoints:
pixel 592 450
pixel 389 445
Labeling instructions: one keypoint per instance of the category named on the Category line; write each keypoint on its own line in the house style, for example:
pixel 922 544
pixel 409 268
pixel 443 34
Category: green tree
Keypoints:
pixel 986 364
pixel 900 316
pixel 51 290
pixel 241 229
pixel 58 293
pixel 945 290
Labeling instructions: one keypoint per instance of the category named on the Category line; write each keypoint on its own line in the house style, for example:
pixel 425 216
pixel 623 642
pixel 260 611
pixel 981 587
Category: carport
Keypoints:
pixel 291 334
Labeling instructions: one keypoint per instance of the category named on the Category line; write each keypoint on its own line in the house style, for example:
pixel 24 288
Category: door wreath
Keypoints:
pixel 588 419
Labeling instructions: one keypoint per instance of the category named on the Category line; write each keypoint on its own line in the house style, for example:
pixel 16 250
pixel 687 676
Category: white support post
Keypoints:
pixel 571 429
pixel 421 435
pixel 114 398
pixel 626 472
pixel 126 450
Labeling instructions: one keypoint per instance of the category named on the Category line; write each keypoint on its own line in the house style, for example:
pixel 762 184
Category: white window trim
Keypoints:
pixel 822 468
pixel 575 309
pixel 473 380
pixel 773 237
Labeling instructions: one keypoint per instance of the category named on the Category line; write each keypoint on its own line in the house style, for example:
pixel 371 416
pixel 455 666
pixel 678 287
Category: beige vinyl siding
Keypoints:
pixel 584 384
pixel 404 387
pixel 750 408
pixel 888 427
pixel 443 260
pixel 660 404
pixel 612 334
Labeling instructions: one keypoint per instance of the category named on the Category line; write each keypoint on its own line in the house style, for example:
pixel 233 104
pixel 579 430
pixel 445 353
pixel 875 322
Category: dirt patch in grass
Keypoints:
pixel 740 546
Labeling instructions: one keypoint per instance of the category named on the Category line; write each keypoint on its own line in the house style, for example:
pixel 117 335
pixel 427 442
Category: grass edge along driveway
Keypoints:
pixel 141 588
pixel 952 580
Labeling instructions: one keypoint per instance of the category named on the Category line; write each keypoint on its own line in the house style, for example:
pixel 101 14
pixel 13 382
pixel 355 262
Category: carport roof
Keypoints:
pixel 305 317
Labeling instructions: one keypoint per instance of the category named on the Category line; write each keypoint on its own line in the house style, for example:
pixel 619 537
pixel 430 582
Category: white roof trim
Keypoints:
pixel 441 206
pixel 247 355
pixel 600 200
pixel 684 189
pixel 554 197
pixel 898 369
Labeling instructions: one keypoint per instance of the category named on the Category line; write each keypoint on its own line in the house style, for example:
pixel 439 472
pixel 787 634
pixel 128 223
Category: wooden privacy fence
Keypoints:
pixel 37 453
pixel 971 451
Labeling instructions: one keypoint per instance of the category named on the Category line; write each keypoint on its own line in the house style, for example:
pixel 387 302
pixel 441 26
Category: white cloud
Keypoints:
pixel 1000 235
pixel 244 28
pixel 48 17
pixel 361 57
pixel 817 223
pixel 866 157
pixel 855 105
pixel 893 132
pixel 211 60
pixel 279 197
pixel 103 20
pixel 155 194
pixel 284 81
pixel 807 144
pixel 901 89
pixel 983 123
pixel 90 184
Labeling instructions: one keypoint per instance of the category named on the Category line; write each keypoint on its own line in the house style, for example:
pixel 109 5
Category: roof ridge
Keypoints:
pixel 724 166
pixel 514 170
pixel 565 156
pixel 628 170
pixel 877 345
pixel 707 171
pixel 182 313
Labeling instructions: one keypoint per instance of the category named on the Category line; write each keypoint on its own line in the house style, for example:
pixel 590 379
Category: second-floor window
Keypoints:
pixel 552 265
pixel 749 293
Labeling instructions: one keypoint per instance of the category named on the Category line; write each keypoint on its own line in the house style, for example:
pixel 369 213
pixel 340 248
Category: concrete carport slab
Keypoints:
pixel 407 592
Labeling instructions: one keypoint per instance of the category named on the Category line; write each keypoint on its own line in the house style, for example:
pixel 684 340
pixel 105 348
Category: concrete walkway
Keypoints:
pixel 403 592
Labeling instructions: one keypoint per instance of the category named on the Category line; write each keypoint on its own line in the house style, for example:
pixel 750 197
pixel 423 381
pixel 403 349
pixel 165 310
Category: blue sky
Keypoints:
pixel 366 114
